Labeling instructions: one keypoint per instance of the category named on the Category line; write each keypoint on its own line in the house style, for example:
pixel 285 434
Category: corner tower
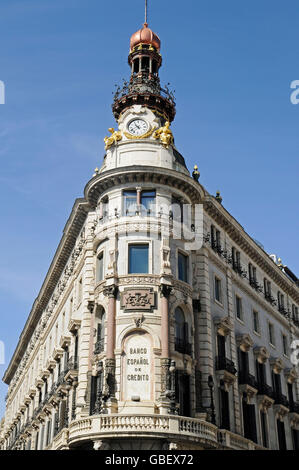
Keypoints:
pixel 144 112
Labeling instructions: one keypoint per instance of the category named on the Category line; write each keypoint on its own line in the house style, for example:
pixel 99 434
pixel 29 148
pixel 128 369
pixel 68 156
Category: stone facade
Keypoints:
pixel 194 352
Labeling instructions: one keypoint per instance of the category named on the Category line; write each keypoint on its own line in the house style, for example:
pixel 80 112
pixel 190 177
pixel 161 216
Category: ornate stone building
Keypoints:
pixel 161 324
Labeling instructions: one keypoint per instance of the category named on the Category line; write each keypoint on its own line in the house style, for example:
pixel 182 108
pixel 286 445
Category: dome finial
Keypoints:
pixel 146 11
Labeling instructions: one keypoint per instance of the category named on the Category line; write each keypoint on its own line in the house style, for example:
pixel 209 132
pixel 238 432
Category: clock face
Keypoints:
pixel 138 127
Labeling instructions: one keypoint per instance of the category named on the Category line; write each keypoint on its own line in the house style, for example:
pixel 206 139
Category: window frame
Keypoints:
pixel 186 256
pixel 238 299
pixel 99 253
pixel 258 331
pixel 271 328
pixel 220 300
pixel 150 256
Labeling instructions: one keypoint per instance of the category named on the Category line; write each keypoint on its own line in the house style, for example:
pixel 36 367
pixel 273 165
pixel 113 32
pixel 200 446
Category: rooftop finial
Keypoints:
pixel 146 11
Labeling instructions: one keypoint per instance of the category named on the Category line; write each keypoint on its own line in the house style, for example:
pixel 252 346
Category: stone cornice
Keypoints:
pixel 137 174
pixel 65 247
pixel 237 233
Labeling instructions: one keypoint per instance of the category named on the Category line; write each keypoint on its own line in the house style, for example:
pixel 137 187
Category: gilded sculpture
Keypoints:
pixel 113 139
pixel 164 134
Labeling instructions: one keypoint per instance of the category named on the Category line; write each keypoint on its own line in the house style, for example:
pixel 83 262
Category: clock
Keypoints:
pixel 138 127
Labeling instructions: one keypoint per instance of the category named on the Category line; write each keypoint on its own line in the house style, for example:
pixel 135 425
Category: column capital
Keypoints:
pixel 111 291
pixel 165 290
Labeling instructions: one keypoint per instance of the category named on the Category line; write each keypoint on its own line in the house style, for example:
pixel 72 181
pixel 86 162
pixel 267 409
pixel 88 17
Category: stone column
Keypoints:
pixel 234 356
pixel 111 293
pixel 199 410
pixel 165 291
pixel 109 381
pixel 138 200
pixel 206 359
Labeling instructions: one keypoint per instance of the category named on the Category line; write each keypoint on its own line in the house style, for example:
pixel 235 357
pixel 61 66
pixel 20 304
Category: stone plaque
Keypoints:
pixel 138 299
pixel 137 367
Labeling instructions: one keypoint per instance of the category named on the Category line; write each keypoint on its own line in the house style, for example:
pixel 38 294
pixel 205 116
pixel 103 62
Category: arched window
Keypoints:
pixel 100 332
pixel 100 266
pixel 182 344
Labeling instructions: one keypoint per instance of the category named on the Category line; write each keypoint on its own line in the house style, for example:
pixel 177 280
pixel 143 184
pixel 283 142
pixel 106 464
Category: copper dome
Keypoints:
pixel 145 36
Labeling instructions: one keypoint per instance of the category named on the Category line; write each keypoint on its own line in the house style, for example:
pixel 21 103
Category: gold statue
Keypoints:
pixel 113 139
pixel 164 134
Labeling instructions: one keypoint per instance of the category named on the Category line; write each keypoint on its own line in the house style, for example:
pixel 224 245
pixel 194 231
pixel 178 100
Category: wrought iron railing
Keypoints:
pixel 294 407
pixel 183 347
pixel 222 363
pixel 281 399
pixel 269 298
pixel 247 379
pixel 264 389
pixel 144 83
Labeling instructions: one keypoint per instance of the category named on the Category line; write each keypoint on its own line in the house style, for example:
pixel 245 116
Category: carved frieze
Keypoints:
pixel 138 299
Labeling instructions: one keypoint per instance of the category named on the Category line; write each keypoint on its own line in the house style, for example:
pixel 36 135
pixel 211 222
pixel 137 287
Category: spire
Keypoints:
pixel 146 12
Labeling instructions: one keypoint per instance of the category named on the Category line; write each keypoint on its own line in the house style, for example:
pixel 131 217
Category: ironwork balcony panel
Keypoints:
pixel 183 347
pixel 294 407
pixel 222 363
pixel 281 399
pixel 264 389
pixel 247 379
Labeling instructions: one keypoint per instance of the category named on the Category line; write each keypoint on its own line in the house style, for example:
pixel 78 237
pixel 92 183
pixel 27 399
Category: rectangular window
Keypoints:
pixel 236 259
pixel 100 267
pixel 256 322
pixel 295 436
pixel 267 288
pixel 295 314
pixel 281 435
pixel 271 334
pixel 215 239
pixel 252 274
pixel 239 312
pixel 130 202
pixel 218 293
pixel 138 259
pixel 183 267
pixel 263 418
pixel 284 344
pixel 148 202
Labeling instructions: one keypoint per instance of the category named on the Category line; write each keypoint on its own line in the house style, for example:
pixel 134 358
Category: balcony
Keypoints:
pixel 183 347
pixel 247 379
pixel 294 407
pixel 71 370
pixel 222 363
pixel 217 247
pixel 264 389
pixel 282 310
pixel 270 299
pixel 255 285
pixel 151 426
pixel 281 400
pixel 238 269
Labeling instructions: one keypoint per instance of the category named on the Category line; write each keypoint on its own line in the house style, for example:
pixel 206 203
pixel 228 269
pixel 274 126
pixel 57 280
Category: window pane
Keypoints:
pixel 100 271
pixel 138 259
pixel 218 289
pixel 148 201
pixel 130 202
pixel 179 323
pixel 183 267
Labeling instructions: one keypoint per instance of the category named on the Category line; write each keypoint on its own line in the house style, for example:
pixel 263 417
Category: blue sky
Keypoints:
pixel 231 64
